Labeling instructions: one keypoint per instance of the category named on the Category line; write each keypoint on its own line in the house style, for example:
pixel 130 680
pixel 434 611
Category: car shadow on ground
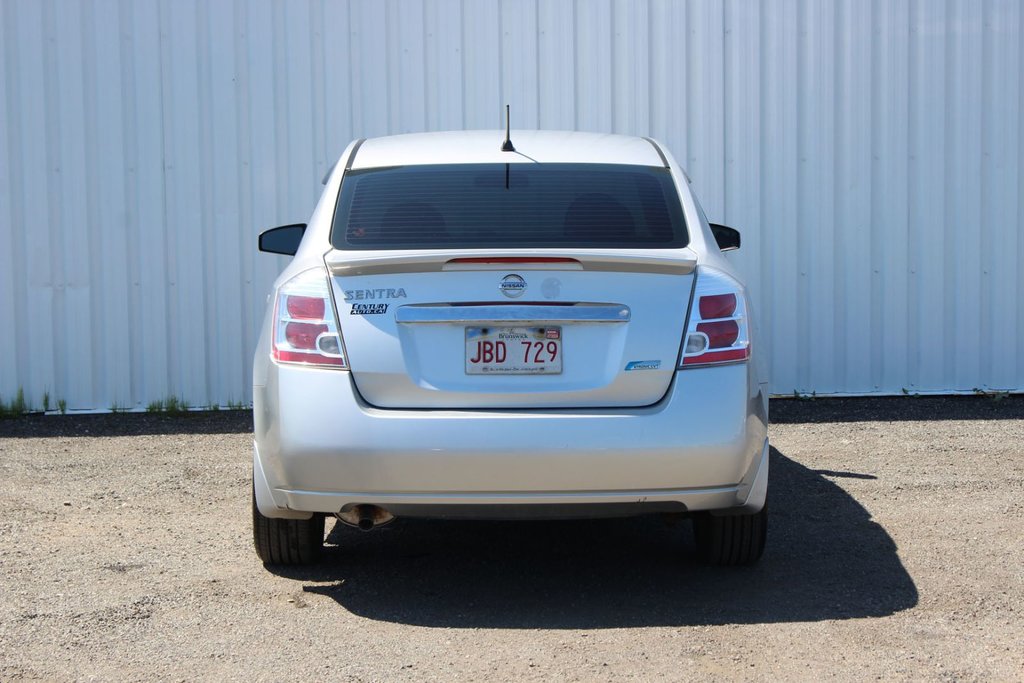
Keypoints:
pixel 826 559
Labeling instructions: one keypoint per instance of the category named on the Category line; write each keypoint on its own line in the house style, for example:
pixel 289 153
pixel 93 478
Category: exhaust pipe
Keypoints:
pixel 365 520
pixel 365 517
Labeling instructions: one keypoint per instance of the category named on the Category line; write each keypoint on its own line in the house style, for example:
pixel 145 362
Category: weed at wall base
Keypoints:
pixel 172 405
pixel 18 405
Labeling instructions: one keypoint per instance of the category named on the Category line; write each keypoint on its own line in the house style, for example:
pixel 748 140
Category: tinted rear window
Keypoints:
pixel 509 205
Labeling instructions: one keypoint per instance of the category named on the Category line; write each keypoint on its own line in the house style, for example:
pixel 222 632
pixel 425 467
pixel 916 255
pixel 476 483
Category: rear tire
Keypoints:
pixel 730 540
pixel 287 541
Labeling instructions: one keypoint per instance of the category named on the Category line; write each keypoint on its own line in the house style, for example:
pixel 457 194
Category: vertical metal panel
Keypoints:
pixel 556 77
pixel 891 249
pixel 31 267
pixel 442 65
pixel 9 281
pixel 593 27
pixel 1002 247
pixel 870 153
pixel 780 186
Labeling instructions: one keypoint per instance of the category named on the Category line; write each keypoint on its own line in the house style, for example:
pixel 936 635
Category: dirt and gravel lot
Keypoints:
pixel 896 551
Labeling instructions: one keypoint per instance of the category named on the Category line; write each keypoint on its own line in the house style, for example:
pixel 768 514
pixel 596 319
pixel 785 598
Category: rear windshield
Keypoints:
pixel 509 205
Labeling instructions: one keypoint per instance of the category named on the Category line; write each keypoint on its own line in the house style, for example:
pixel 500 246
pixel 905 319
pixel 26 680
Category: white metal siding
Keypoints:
pixel 869 152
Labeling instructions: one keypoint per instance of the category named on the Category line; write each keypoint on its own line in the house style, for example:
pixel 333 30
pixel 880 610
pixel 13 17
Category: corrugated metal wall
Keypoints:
pixel 869 151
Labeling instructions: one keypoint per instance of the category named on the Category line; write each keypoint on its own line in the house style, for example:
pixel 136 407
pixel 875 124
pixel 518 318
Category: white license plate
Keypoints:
pixel 513 350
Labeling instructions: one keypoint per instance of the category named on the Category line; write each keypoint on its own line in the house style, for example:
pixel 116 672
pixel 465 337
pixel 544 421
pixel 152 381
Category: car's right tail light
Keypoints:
pixel 718 331
pixel 305 330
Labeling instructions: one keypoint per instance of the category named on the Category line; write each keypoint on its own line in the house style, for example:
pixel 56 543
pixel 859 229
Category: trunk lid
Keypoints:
pixel 411 322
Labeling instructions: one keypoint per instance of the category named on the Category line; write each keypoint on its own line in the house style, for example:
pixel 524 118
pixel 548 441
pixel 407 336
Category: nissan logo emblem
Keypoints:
pixel 512 286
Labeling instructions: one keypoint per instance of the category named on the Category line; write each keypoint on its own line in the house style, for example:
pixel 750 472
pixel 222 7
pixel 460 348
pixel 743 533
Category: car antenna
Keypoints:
pixel 506 146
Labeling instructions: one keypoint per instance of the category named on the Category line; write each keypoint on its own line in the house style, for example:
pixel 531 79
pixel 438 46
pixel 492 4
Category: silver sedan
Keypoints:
pixel 486 326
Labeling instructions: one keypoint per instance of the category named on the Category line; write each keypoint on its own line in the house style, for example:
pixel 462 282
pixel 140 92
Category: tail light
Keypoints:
pixel 305 330
pixel 718 331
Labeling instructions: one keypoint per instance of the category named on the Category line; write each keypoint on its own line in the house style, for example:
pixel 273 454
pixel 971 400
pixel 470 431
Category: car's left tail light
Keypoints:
pixel 305 327
pixel 719 329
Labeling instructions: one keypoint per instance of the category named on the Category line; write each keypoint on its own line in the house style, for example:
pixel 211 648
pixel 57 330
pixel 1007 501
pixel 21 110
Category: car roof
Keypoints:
pixel 484 146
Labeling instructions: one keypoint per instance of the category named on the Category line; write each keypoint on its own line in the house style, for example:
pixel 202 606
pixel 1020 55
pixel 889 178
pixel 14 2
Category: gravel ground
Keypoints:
pixel 895 551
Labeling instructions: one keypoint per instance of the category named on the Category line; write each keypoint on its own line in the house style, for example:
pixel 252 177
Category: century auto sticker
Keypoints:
pixel 368 309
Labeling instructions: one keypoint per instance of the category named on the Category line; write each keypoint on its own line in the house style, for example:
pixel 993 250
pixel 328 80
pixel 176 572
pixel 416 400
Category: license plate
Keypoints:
pixel 513 350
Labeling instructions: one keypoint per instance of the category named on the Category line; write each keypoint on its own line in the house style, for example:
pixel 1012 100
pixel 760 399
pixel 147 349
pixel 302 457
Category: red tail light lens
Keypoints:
pixel 303 335
pixel 717 306
pixel 305 330
pixel 718 330
pixel 721 334
pixel 306 307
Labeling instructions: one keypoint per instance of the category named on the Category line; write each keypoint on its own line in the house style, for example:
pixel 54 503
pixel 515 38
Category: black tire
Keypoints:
pixel 730 540
pixel 287 541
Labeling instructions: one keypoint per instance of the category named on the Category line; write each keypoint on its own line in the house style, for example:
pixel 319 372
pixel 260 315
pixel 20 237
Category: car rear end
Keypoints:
pixel 496 337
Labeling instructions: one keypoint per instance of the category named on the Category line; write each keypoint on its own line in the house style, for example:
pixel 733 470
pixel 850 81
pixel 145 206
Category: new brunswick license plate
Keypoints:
pixel 513 350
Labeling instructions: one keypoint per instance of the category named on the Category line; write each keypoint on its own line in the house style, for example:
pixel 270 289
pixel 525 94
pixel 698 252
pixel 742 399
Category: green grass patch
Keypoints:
pixel 995 396
pixel 16 407
pixel 175 405
pixel 172 405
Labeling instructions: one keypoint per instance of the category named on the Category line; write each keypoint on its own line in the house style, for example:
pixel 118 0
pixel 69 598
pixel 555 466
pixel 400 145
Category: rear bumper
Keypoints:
pixel 320 448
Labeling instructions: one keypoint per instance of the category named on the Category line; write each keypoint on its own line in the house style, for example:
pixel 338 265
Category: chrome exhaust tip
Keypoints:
pixel 365 517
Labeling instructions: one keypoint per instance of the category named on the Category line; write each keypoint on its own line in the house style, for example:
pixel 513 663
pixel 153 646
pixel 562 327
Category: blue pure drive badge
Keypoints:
pixel 643 365
pixel 368 309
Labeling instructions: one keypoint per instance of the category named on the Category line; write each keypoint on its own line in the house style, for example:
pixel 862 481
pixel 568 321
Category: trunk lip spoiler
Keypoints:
pixel 512 313
pixel 676 261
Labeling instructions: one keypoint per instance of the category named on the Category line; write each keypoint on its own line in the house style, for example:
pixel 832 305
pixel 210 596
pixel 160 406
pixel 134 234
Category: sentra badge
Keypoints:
pixel 380 293
pixel 512 286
